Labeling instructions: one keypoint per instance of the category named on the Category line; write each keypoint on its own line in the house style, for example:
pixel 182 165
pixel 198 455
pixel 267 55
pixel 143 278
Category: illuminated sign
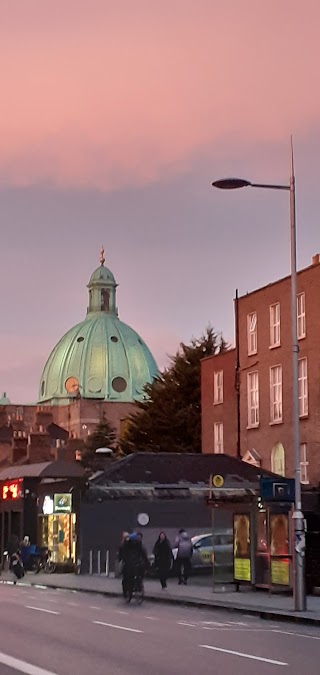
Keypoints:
pixel 47 508
pixel 62 503
pixel 242 569
pixel 280 572
pixel 11 490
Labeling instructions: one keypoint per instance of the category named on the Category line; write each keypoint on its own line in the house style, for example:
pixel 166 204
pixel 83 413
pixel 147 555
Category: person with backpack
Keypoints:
pixel 184 555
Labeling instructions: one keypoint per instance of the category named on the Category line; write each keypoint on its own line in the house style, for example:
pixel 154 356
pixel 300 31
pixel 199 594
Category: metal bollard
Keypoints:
pixel 99 562
pixel 90 562
pixel 107 563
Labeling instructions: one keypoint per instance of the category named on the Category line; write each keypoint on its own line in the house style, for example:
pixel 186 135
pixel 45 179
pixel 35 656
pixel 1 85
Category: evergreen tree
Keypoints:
pixel 103 437
pixel 169 419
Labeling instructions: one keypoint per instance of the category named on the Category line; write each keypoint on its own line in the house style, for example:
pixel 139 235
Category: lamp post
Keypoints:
pixel 299 527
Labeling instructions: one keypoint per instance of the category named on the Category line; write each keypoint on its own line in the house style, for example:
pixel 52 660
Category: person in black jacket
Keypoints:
pixel 163 558
pixel 134 560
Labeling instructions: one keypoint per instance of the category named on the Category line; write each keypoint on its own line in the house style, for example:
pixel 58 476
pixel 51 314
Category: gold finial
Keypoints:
pixel 102 258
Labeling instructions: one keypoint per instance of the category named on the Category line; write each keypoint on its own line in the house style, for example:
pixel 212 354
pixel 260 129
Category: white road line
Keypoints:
pixel 151 618
pixel 94 607
pixel 303 635
pixel 245 656
pixel 40 609
pixel 112 625
pixel 184 623
pixel 23 666
pixel 73 604
pixel 119 611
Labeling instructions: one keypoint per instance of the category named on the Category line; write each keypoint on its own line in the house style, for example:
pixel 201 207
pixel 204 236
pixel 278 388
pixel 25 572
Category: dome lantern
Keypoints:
pixel 102 289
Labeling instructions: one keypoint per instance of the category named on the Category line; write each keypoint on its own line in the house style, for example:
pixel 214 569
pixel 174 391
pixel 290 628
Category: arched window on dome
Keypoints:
pixel 105 300
pixel 278 459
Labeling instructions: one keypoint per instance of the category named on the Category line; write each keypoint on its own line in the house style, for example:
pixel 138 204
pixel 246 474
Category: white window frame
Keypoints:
pixel 252 321
pixel 301 316
pixel 253 399
pixel 276 394
pixel 304 477
pixel 218 387
pixel 218 438
pixel 275 325
pixel 303 387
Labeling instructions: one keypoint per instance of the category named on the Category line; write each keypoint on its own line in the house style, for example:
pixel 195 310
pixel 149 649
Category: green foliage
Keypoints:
pixel 103 437
pixel 169 419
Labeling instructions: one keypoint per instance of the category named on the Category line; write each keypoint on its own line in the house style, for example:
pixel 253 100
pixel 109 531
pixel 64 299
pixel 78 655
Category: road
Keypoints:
pixel 45 632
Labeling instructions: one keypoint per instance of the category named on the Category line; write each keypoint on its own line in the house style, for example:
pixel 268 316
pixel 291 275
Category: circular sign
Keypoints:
pixel 217 481
pixel 143 519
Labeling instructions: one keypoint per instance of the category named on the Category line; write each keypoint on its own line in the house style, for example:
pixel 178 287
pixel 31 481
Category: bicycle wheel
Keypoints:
pixel 140 594
pixel 50 567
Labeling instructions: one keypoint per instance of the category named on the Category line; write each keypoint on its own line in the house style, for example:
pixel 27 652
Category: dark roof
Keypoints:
pixel 56 469
pixel 57 432
pixel 177 468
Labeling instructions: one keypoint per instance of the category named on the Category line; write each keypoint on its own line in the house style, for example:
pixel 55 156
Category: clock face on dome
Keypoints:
pixel 72 385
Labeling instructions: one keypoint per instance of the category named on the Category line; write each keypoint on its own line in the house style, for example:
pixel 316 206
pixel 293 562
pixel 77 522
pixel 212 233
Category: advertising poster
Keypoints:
pixel 241 547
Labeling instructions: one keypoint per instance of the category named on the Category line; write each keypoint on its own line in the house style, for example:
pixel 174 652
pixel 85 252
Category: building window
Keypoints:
pixel 275 325
pixel 276 394
pixel 303 387
pixel 252 333
pixel 278 460
pixel 304 478
pixel 218 387
pixel 218 437
pixel 253 399
pixel 301 315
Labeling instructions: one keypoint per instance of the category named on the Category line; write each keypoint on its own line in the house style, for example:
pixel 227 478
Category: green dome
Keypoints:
pixel 101 357
pixel 4 400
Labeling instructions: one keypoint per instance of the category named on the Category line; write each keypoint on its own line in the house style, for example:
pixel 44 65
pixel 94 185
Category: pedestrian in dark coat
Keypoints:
pixel 163 558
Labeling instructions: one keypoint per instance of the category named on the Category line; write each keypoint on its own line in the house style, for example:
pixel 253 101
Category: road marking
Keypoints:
pixel 112 625
pixel 23 666
pixel 94 607
pixel 184 623
pixel 119 611
pixel 40 609
pixel 245 656
pixel 303 635
pixel 73 604
pixel 151 618
pixel 208 624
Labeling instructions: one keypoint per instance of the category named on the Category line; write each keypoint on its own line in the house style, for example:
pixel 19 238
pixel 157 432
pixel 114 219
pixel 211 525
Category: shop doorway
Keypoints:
pixel 57 532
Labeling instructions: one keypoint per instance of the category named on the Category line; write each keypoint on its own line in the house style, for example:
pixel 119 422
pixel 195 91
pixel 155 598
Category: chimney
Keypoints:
pixel 18 448
pixel 39 448
pixel 316 259
pixel 43 417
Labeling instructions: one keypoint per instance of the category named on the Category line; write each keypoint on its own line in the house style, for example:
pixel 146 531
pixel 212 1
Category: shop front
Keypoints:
pixel 42 501
pixel 58 526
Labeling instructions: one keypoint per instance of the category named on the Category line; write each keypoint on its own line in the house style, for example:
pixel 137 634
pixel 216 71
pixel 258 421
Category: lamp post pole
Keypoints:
pixel 298 519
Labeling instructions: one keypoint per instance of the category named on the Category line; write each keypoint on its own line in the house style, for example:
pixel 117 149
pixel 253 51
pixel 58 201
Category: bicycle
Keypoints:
pixel 135 590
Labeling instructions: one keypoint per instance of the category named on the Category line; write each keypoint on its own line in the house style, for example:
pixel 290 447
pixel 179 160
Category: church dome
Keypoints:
pixel 101 357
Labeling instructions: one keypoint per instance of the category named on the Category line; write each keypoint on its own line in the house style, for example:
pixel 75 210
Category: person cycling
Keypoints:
pixel 135 562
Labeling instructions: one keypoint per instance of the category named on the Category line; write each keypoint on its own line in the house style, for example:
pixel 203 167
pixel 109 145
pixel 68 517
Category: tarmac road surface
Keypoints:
pixel 45 632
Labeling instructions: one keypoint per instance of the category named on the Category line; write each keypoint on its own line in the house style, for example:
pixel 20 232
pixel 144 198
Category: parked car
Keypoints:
pixel 203 549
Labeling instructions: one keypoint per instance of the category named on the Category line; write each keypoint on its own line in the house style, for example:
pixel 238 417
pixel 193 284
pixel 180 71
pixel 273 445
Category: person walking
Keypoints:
pixel 184 554
pixel 163 558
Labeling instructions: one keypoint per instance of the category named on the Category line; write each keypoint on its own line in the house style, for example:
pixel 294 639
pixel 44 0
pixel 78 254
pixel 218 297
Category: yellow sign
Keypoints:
pixel 280 572
pixel 217 481
pixel 242 569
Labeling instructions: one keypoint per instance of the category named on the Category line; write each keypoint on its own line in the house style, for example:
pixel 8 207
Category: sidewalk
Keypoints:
pixel 196 594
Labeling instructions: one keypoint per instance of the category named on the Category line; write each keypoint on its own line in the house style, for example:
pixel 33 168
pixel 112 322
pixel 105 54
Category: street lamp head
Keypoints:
pixel 231 183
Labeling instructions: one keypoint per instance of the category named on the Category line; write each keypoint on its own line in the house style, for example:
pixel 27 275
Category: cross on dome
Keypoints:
pixel 102 258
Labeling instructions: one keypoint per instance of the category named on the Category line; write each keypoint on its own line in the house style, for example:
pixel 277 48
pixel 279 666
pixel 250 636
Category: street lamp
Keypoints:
pixel 299 527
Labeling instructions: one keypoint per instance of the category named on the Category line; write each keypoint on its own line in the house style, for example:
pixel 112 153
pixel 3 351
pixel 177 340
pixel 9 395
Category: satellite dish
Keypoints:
pixel 104 451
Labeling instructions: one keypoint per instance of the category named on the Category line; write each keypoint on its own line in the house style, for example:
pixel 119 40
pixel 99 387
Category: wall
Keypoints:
pixel 225 412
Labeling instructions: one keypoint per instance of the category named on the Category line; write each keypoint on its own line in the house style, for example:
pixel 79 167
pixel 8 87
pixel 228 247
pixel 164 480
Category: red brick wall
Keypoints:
pixel 225 412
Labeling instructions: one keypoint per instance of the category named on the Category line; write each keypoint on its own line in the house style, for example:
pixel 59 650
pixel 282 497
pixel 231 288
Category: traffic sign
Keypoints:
pixel 277 489
pixel 217 481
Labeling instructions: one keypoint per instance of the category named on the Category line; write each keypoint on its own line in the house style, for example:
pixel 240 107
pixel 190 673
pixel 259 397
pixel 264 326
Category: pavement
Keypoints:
pixel 198 594
pixel 55 632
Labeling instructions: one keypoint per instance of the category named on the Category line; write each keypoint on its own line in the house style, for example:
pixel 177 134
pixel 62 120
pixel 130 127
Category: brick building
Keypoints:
pixel 247 392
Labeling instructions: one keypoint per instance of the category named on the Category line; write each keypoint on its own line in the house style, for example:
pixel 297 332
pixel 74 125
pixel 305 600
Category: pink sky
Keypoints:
pixel 126 111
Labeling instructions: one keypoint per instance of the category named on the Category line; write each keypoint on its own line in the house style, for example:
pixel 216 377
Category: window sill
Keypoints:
pixel 271 424
pixel 304 417
pixel 217 402
pixel 253 426
pixel 253 353
pixel 275 346
pixel 302 337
